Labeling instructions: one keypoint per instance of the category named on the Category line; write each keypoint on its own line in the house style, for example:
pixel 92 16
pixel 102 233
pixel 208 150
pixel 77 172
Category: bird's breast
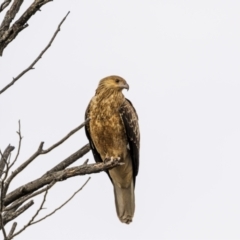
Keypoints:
pixel 108 132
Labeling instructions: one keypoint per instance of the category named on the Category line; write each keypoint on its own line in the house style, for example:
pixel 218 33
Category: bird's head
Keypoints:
pixel 113 82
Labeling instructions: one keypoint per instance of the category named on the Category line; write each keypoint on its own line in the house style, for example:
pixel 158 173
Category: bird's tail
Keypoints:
pixel 125 202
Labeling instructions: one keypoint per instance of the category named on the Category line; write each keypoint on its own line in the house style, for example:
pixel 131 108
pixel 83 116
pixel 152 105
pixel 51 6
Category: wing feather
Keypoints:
pixel 130 120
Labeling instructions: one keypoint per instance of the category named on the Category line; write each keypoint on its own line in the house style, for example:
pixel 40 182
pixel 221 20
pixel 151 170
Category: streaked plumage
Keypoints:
pixel 113 131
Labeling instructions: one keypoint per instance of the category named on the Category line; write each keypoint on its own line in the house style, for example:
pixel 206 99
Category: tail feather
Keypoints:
pixel 125 202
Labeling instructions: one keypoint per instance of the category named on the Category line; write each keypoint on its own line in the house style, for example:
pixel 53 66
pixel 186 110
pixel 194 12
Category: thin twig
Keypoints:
pixel 20 201
pixel 34 216
pixel 36 60
pixel 69 160
pixel 48 215
pixel 19 144
pixel 65 138
pixel 10 216
pixel 4 158
pixel 39 152
pixel 12 230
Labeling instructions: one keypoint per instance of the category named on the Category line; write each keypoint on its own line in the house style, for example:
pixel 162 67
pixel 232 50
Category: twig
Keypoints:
pixel 48 215
pixel 36 60
pixel 34 216
pixel 20 201
pixel 65 138
pixel 39 152
pixel 60 176
pixel 19 144
pixel 4 158
pixel 69 160
pixel 10 216
pixel 12 230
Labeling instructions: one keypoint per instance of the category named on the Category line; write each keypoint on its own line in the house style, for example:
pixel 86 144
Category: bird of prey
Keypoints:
pixel 113 132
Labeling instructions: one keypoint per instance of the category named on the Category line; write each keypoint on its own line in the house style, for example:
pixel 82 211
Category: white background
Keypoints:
pixel 181 60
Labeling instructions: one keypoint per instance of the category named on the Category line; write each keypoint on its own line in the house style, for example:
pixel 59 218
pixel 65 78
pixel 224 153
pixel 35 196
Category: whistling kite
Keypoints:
pixel 113 132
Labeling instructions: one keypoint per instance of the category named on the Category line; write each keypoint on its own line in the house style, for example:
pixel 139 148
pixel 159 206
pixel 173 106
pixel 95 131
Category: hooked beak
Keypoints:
pixel 126 86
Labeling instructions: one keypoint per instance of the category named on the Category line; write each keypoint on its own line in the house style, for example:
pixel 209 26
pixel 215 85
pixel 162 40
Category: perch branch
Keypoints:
pixel 69 160
pixel 59 176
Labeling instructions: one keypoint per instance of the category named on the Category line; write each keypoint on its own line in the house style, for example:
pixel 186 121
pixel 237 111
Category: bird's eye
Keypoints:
pixel 117 80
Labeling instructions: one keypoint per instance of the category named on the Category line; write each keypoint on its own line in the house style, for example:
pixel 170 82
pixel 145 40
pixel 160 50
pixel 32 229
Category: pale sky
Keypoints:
pixel 181 60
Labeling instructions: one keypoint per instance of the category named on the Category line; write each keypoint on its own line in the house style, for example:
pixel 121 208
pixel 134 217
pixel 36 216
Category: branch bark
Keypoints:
pixel 39 152
pixel 35 61
pixel 60 176
pixel 4 158
pixel 20 24
pixel 10 15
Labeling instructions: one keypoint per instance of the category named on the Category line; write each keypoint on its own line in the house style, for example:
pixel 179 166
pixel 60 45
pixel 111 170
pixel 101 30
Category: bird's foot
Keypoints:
pixel 107 159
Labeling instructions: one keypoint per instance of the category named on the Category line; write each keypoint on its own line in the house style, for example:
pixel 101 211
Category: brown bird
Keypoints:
pixel 113 132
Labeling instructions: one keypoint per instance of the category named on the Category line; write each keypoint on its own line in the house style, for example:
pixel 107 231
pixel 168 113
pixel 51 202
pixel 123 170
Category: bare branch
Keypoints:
pixel 20 24
pixel 60 176
pixel 4 5
pixel 2 227
pixel 39 152
pixel 34 216
pixel 48 215
pixel 12 230
pixel 19 144
pixel 21 200
pixel 68 161
pixel 4 158
pixel 37 59
pixel 10 216
pixel 10 15
pixel 65 138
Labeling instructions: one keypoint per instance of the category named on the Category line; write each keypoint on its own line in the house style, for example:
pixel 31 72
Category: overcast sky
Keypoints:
pixel 182 62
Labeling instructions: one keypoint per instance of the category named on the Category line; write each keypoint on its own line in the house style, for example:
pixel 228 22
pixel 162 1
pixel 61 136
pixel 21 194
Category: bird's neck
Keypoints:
pixel 111 97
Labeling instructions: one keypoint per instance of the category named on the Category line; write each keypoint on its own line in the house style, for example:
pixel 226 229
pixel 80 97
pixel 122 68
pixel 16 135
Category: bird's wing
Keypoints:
pixel 96 155
pixel 130 120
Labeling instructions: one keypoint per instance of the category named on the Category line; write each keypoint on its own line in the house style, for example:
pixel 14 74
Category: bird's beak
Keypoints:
pixel 126 86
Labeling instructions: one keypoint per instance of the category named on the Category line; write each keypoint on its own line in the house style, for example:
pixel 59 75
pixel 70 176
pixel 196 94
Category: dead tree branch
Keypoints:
pixel 68 200
pixel 4 5
pixel 37 59
pixel 31 222
pixel 60 176
pixel 39 152
pixel 10 216
pixel 10 15
pixel 19 144
pixel 12 230
pixel 20 24
pixel 4 158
